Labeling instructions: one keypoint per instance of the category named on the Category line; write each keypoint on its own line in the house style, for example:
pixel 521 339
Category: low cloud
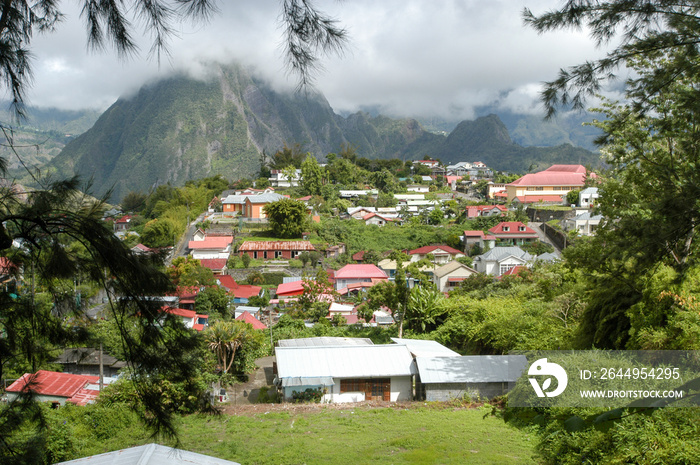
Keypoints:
pixel 407 57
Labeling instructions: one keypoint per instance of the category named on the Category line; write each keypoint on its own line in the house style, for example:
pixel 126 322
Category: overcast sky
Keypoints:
pixel 408 57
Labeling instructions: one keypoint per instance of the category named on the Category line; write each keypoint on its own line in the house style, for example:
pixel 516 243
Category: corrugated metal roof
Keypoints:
pixel 471 368
pixel 344 362
pixel 322 381
pixel 425 348
pixel 50 383
pixel 325 341
pixel 150 454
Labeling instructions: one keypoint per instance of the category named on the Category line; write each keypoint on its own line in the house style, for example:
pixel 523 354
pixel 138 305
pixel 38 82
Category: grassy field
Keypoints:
pixel 428 434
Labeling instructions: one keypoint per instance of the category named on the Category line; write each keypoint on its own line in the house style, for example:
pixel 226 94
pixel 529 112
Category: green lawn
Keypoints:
pixel 422 435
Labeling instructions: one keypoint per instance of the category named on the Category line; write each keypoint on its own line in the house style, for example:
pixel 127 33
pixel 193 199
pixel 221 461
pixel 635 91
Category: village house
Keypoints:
pixel 498 260
pixel 284 250
pixel 122 224
pixel 451 275
pixel 255 204
pixel 278 178
pixel 211 247
pixel 87 361
pixel 247 317
pixel 365 274
pixel 190 318
pixel 475 211
pixel 548 186
pixel 441 254
pixel 587 198
pixel 378 220
pixel 513 233
pixel 493 190
pixel 469 376
pixel 389 267
pixel 584 223
pixel 240 292
pixel 56 388
pixel 473 238
pixel 347 373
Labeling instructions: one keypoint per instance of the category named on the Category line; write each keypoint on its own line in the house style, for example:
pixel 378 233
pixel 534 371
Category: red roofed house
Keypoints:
pixel 122 224
pixel 441 253
pixel 377 219
pixel 514 232
pixel 211 247
pixel 241 292
pixel 286 290
pixel 548 185
pixel 474 211
pixel 357 274
pixel 250 319
pixel 190 318
pixel 275 249
pixel 216 265
pixel 472 238
pixel 57 388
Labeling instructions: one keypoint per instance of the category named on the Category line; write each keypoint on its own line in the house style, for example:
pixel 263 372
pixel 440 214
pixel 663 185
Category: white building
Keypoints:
pixel 587 197
pixel 349 373
pixel 498 260
pixel 279 179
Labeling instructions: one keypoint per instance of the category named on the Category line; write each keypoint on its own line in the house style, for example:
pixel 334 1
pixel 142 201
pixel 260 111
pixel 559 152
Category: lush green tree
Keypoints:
pixel 224 338
pixel 212 299
pixel 572 197
pixel 188 271
pixel 159 233
pixel 311 176
pixel 245 258
pixel 48 223
pixel 639 28
pixel 134 202
pixel 287 218
pixel 385 181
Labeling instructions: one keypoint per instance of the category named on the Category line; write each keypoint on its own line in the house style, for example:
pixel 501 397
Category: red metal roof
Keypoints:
pixel 248 318
pixel 275 245
pixel 212 242
pixel 84 397
pixel 180 312
pixel 289 289
pixel 50 383
pixel 227 282
pixel 360 271
pixel 540 198
pixel 513 228
pixel 246 291
pixel 214 264
pixel 435 249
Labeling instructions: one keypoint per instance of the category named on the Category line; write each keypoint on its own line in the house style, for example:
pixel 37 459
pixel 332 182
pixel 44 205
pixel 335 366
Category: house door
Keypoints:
pixel 378 389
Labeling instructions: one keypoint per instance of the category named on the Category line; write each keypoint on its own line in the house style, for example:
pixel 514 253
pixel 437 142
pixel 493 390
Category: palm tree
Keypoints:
pixel 225 338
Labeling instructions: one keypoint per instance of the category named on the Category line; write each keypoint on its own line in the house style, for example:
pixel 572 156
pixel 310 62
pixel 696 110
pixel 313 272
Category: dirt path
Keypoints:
pixel 247 393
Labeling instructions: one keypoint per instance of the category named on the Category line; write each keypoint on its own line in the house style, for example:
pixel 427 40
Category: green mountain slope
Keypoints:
pixel 486 139
pixel 181 128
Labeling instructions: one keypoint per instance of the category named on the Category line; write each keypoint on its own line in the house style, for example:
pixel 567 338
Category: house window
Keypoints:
pixel 539 188
pixel 506 228
pixel 504 268
pixel 255 255
pixel 521 228
pixel 352 385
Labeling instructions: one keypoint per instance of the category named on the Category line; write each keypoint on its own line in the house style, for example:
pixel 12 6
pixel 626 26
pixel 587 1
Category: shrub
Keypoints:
pixel 309 395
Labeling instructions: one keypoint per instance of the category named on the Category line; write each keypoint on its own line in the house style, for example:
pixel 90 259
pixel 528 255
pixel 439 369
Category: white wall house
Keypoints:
pixel 498 260
pixel 279 179
pixel 588 197
pixel 584 223
pixel 349 373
